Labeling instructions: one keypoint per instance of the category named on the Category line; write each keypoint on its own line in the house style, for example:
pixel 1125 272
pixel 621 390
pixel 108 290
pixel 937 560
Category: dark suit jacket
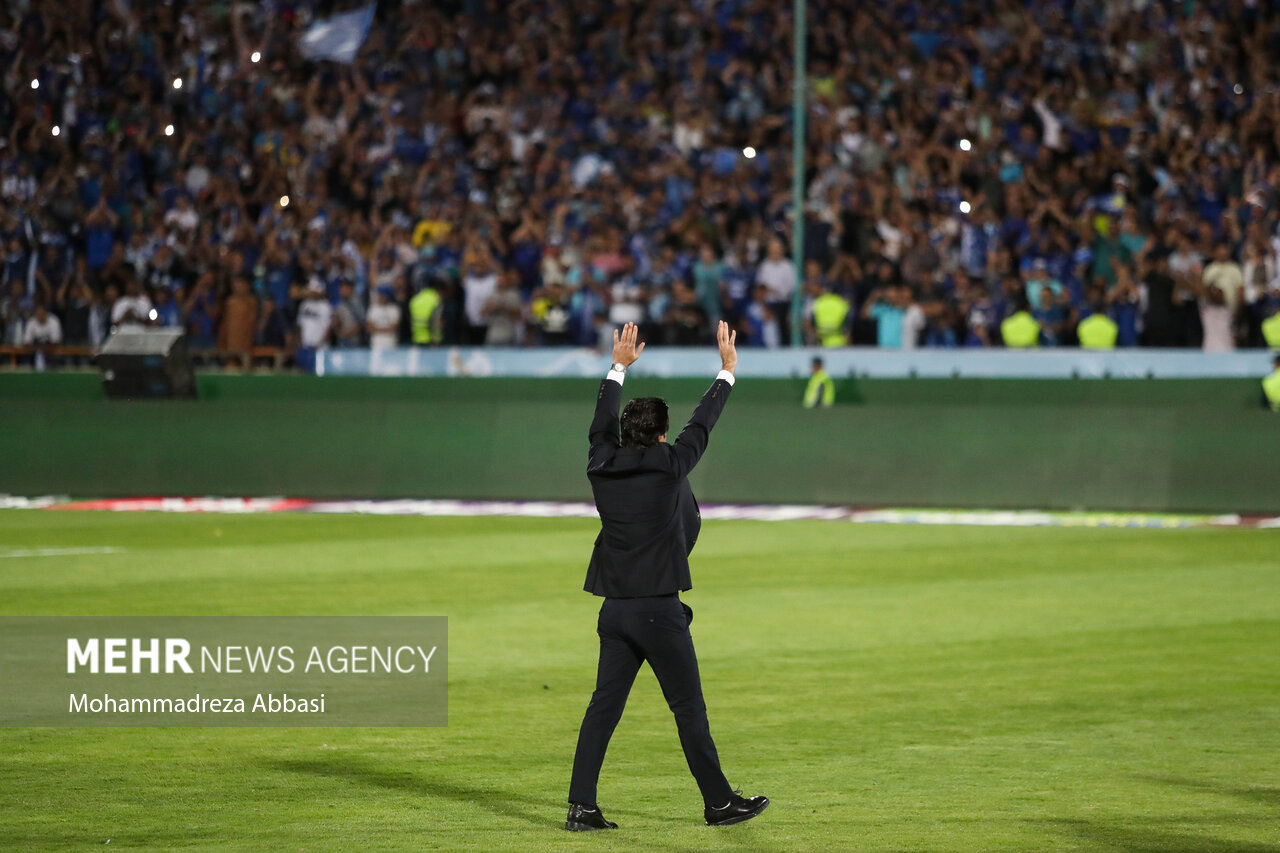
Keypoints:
pixel 648 516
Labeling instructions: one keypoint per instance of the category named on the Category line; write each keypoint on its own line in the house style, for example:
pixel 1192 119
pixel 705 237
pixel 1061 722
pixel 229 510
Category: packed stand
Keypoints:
pixel 537 173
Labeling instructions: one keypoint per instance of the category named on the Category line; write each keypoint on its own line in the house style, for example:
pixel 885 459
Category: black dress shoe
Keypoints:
pixel 583 819
pixel 736 810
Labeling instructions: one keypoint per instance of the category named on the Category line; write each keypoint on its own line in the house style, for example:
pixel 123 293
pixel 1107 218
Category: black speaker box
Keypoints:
pixel 151 363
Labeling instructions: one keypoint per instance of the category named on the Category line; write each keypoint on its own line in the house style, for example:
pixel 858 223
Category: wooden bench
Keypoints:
pixel 276 355
pixel 14 353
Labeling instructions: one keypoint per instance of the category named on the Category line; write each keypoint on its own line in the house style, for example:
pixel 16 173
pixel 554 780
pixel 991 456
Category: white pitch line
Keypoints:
pixel 59 552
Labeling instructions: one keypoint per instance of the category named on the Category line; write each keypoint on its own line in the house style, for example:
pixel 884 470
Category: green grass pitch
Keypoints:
pixel 890 688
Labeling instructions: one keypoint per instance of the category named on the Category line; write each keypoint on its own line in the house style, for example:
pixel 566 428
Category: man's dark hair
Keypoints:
pixel 643 420
pixel 817 363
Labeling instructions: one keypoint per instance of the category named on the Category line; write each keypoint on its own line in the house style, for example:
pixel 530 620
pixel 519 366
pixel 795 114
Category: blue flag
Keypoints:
pixel 338 37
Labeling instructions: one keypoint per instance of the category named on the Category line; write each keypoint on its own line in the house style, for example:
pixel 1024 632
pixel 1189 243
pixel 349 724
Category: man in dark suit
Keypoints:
pixel 649 523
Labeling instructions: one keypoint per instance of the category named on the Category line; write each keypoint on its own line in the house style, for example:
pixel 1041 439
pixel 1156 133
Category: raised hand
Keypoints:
pixel 624 345
pixel 728 352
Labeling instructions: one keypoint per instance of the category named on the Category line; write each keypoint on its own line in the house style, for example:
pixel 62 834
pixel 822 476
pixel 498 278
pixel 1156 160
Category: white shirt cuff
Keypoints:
pixel 616 376
pixel 726 376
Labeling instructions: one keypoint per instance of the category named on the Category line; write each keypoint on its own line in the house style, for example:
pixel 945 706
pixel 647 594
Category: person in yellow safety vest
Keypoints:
pixel 1271 330
pixel 830 315
pixel 1097 331
pixel 423 308
pixel 1271 386
pixel 1020 330
pixel 821 388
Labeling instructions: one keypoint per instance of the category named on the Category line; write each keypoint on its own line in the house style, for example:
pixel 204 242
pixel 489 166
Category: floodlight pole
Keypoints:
pixel 797 172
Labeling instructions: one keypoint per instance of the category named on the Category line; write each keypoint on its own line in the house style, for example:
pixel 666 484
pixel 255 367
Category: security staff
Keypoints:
pixel 649 523
pixel 1271 386
pixel 821 388
pixel 422 316
pixel 1271 330
pixel 830 313
pixel 1097 331
pixel 1020 330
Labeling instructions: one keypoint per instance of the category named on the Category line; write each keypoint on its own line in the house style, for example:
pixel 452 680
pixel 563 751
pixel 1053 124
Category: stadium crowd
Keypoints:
pixel 979 173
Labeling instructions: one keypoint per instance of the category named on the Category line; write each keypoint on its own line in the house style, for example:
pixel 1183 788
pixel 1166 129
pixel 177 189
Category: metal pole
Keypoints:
pixel 797 172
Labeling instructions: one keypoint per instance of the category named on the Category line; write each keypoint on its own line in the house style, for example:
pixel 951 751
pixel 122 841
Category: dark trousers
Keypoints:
pixel 632 631
pixel 782 313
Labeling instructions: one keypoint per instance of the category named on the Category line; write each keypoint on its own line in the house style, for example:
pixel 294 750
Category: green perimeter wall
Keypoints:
pixel 1186 445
